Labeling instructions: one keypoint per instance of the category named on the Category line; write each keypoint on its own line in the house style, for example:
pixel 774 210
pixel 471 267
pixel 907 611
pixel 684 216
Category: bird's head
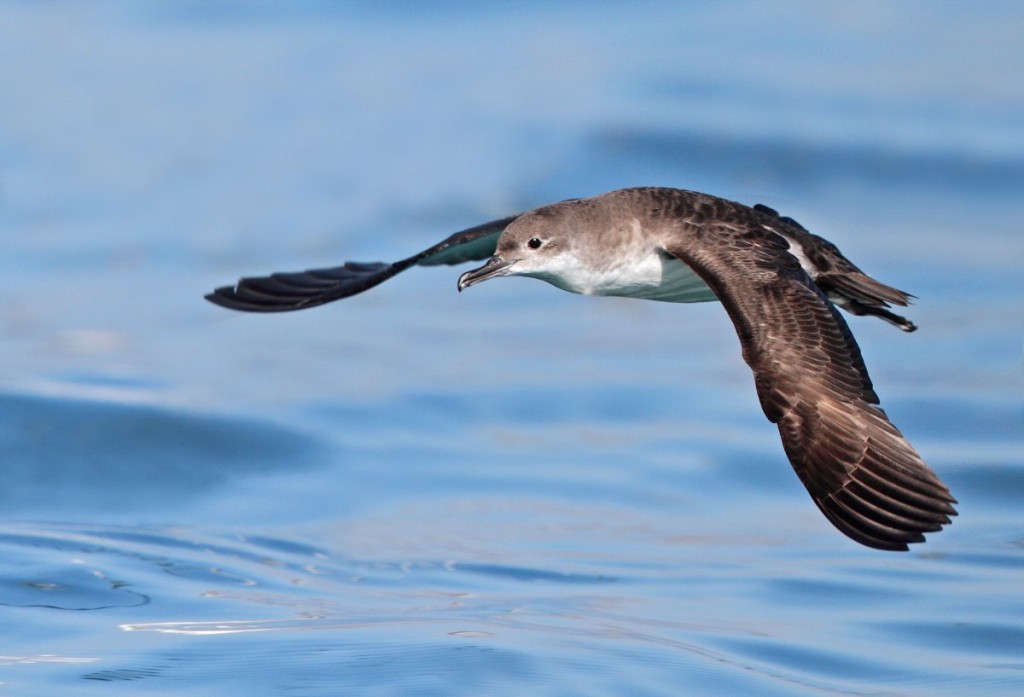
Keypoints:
pixel 537 244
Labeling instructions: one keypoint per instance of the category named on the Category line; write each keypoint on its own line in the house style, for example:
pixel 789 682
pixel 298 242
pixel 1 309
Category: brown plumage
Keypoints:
pixel 780 285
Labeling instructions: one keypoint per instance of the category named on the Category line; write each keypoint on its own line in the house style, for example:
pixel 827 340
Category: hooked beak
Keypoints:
pixel 495 266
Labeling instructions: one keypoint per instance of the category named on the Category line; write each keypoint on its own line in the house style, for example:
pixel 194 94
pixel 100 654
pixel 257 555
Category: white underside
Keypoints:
pixel 675 282
pixel 652 277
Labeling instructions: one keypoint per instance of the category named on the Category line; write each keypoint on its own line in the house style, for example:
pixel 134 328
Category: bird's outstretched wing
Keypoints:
pixel 283 292
pixel 811 380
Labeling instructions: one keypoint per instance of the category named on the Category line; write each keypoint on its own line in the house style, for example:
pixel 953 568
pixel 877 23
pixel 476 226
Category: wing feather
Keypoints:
pixel 812 382
pixel 284 292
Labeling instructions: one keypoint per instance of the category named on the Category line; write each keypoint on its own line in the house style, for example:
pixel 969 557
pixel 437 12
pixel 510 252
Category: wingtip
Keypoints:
pixel 230 298
pixel 878 521
pixel 221 296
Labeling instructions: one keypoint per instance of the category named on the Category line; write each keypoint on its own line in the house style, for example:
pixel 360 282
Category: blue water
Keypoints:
pixel 513 490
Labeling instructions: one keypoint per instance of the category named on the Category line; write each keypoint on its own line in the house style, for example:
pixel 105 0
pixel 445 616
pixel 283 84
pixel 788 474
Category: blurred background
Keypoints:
pixel 511 490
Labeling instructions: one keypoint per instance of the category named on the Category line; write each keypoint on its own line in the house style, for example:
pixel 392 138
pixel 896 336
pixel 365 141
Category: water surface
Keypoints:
pixel 510 490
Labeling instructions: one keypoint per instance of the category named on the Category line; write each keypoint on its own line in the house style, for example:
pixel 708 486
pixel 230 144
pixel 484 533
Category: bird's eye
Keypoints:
pixel 534 243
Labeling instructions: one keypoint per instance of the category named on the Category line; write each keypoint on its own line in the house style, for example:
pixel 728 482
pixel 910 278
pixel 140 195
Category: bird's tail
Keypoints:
pixel 859 294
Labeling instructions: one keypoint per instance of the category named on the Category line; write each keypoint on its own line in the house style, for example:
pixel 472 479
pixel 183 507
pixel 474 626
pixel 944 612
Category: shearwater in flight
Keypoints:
pixel 780 285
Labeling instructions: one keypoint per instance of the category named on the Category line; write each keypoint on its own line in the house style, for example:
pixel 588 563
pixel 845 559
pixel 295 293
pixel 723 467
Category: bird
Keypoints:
pixel 780 285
